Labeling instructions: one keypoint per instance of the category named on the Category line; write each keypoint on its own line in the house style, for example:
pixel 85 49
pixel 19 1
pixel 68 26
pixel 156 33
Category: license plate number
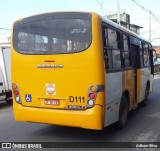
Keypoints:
pixel 52 102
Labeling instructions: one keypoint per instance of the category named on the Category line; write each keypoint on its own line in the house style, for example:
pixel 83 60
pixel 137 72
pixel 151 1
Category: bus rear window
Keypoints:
pixel 52 36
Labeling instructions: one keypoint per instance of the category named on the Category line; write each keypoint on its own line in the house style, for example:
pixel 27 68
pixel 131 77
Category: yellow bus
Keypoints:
pixel 78 69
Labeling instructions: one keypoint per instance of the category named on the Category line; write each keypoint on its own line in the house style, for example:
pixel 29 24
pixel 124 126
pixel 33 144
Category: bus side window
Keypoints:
pixel 114 40
pixel 126 53
pixel 141 56
pixel 146 55
pixel 111 48
pixel 135 46
pixel 107 54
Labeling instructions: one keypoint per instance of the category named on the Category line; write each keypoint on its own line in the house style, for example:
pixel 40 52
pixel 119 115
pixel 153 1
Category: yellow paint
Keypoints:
pixel 128 85
pixel 80 71
pixel 91 118
pixel 138 84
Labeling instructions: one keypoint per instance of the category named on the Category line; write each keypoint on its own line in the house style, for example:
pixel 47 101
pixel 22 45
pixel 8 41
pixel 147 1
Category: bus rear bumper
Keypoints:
pixel 90 119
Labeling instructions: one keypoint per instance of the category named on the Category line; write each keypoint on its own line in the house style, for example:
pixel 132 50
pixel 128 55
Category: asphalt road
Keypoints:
pixel 143 126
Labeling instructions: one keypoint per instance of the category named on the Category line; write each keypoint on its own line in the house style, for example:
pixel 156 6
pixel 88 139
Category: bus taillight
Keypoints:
pixel 90 102
pixel 93 88
pixel 16 93
pixel 92 95
pixel 14 86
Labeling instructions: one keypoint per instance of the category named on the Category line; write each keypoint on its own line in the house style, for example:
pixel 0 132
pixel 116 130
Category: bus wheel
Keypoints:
pixel 144 102
pixel 123 113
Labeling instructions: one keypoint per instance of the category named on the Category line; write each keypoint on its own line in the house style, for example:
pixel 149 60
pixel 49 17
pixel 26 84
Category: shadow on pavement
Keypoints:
pixel 4 104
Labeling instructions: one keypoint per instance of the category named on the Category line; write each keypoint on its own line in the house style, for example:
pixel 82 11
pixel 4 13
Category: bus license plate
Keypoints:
pixel 52 102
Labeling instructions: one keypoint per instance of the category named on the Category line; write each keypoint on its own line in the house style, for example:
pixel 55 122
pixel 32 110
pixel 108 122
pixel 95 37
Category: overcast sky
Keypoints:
pixel 14 9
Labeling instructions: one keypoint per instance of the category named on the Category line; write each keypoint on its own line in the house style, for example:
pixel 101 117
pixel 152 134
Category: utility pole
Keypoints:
pixel 118 12
pixel 150 26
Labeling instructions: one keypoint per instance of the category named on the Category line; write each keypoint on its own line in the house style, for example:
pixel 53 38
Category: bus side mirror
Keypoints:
pixel 1 84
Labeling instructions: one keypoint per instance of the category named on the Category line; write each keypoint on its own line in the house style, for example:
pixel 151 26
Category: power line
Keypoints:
pixel 142 23
pixel 145 32
pixel 4 29
pixel 155 30
pixel 147 10
pixel 101 5
pixel 151 14
pixel 140 19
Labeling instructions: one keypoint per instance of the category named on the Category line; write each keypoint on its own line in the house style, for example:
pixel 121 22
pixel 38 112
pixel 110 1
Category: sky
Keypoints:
pixel 12 10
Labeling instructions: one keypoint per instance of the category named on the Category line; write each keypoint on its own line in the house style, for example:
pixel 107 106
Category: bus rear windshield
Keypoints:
pixel 52 36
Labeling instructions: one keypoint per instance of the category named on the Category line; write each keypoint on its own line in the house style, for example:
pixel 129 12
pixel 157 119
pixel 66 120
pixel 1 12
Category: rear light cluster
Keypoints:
pixel 92 93
pixel 16 93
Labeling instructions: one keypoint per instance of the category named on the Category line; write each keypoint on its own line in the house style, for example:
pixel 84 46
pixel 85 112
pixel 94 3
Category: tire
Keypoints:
pixel 123 113
pixel 9 97
pixel 145 101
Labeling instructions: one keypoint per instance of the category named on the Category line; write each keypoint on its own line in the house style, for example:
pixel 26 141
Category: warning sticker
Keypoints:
pixel 50 89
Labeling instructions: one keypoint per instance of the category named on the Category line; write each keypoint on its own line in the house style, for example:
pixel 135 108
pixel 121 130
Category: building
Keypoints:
pixel 125 22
